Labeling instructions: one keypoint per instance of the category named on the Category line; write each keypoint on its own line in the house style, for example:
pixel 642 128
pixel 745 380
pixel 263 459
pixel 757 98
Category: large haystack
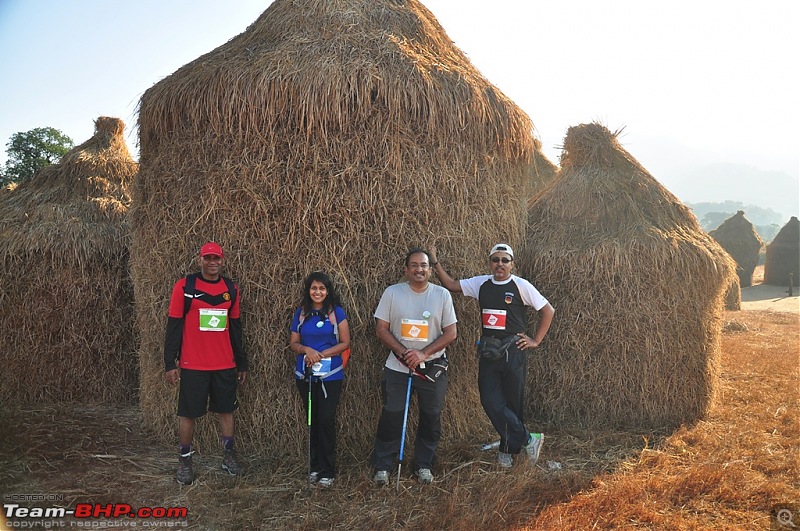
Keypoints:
pixel 334 135
pixel 739 238
pixel 638 290
pixel 67 299
pixel 783 256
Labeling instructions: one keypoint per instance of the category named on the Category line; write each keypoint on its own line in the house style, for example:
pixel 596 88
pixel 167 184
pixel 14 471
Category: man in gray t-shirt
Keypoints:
pixel 416 321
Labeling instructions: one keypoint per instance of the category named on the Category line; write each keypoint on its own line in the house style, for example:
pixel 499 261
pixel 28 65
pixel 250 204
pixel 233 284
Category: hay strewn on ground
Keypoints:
pixel 728 471
pixel 739 238
pixel 66 302
pixel 638 291
pixel 783 256
pixel 330 135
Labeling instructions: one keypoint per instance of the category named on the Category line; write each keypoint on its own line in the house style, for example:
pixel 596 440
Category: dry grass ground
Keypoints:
pixel 725 472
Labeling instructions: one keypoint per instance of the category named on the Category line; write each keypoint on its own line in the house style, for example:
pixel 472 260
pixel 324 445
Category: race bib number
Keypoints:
pixel 321 367
pixel 213 320
pixel 494 319
pixel 414 330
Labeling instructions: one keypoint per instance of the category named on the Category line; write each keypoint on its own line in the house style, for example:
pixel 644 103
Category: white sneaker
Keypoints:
pixel 325 482
pixel 313 477
pixel 505 460
pixel 381 478
pixel 534 447
pixel 424 475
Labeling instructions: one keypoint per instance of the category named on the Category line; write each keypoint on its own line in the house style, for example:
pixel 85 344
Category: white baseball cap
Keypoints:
pixel 502 248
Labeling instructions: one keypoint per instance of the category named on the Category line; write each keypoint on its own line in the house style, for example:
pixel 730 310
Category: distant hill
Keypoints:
pixel 766 221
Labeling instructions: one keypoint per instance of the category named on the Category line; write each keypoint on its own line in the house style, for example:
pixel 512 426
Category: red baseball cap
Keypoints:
pixel 211 248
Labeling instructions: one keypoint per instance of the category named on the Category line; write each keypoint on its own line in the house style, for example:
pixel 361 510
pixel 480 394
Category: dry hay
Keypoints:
pixel 733 295
pixel 637 287
pixel 783 256
pixel 67 297
pixel 330 135
pixel 740 239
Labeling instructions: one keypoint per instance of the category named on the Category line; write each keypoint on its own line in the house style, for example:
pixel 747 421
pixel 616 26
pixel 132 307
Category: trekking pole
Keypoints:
pixel 405 423
pixel 308 379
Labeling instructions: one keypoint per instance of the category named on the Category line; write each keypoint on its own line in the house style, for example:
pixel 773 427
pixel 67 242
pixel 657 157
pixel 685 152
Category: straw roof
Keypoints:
pixel 783 256
pixel 67 298
pixel 739 238
pixel 333 135
pixel 637 286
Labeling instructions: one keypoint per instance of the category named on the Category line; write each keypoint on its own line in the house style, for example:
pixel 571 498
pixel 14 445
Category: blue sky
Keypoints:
pixel 695 83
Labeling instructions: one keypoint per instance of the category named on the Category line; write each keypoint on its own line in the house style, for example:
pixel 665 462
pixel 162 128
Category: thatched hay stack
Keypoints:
pixel 637 286
pixel 542 172
pixel 739 238
pixel 783 256
pixel 329 135
pixel 67 299
pixel 733 295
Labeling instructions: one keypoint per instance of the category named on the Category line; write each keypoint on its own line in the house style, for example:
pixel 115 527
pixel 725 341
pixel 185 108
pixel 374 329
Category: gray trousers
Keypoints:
pixel 430 397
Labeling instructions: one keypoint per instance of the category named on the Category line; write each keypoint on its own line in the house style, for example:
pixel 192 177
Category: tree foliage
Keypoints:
pixel 31 151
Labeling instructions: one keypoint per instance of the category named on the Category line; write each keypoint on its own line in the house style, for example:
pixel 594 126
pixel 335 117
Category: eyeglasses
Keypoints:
pixel 497 259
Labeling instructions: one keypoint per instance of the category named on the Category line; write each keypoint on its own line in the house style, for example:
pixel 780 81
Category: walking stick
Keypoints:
pixel 308 379
pixel 405 423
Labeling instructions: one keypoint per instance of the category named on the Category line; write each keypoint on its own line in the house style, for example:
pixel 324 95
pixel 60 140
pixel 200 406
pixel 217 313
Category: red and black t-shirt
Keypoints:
pixel 208 338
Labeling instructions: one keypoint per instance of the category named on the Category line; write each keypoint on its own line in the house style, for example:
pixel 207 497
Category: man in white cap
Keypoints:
pixel 502 370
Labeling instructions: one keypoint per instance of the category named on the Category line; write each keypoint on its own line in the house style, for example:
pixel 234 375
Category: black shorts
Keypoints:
pixel 203 391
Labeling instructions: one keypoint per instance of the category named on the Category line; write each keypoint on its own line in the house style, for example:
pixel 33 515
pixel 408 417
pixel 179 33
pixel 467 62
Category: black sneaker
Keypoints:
pixel 230 463
pixel 185 474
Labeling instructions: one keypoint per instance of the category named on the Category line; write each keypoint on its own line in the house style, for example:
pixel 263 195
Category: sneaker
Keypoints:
pixel 424 475
pixel 185 474
pixel 313 477
pixel 534 447
pixel 325 482
pixel 505 460
pixel 230 463
pixel 381 477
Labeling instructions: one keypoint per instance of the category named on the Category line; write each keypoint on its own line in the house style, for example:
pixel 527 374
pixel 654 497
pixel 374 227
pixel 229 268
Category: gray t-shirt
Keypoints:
pixel 415 319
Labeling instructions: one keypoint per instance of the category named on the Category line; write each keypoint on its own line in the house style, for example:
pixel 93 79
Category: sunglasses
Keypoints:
pixel 497 259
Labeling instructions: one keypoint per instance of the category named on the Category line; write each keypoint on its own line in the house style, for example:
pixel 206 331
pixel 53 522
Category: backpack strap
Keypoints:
pixel 188 292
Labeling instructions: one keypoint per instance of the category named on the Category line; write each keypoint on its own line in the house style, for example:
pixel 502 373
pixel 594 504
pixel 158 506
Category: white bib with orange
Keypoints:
pixel 414 330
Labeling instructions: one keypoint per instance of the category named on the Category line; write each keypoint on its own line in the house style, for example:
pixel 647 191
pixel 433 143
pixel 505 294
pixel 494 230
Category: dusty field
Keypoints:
pixel 729 471
pixel 761 296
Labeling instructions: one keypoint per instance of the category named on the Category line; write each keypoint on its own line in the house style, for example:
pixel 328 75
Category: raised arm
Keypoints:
pixel 446 280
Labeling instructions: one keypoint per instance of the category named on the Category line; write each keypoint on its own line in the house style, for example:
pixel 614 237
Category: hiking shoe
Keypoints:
pixel 230 463
pixel 505 460
pixel 325 482
pixel 424 475
pixel 313 477
pixel 185 474
pixel 381 478
pixel 534 447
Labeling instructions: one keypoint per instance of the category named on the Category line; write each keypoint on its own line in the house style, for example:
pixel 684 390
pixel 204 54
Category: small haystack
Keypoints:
pixel 739 238
pixel 733 295
pixel 329 135
pixel 783 256
pixel 638 289
pixel 67 300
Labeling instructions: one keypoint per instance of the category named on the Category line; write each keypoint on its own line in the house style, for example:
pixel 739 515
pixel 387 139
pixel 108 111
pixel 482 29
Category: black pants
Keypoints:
pixel 502 387
pixel 323 424
pixel 430 396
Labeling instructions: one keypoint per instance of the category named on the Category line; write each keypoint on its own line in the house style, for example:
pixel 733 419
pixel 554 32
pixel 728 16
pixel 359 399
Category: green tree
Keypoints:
pixel 31 151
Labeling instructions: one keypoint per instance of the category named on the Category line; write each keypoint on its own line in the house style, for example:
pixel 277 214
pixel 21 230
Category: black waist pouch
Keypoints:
pixel 435 369
pixel 493 349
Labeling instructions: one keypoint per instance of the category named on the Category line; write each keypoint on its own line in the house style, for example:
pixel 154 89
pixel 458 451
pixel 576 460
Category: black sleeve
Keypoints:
pixel 239 355
pixel 172 343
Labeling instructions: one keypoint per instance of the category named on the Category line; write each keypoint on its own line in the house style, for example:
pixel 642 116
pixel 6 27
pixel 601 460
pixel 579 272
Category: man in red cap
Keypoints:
pixel 203 351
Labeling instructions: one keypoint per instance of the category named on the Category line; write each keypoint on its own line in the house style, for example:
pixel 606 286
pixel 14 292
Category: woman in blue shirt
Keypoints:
pixel 320 336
